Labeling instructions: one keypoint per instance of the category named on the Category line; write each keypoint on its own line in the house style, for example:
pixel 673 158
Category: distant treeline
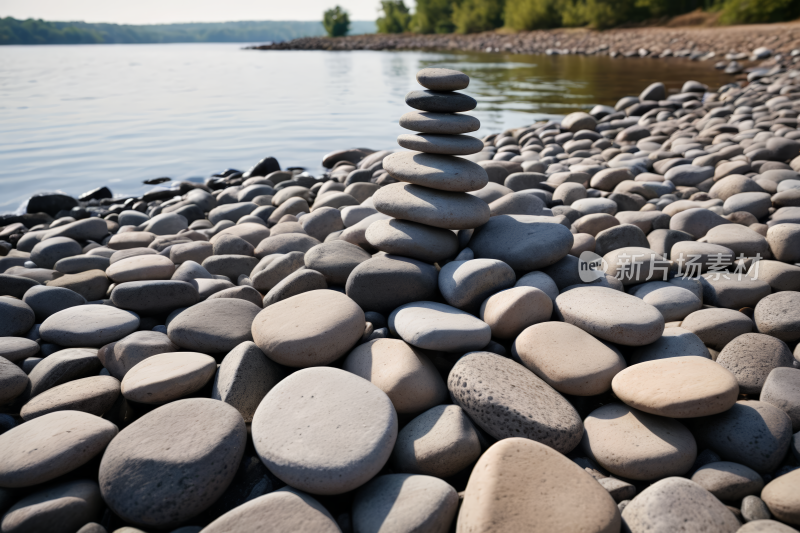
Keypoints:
pixel 471 16
pixel 32 31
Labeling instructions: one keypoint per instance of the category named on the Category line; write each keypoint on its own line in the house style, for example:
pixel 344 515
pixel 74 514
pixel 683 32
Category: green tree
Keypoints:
pixel 396 17
pixel 336 22
pixel 533 14
pixel 755 11
pixel 434 16
pixel 473 16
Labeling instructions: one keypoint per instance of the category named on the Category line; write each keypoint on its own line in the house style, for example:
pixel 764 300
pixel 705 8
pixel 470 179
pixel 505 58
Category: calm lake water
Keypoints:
pixel 73 118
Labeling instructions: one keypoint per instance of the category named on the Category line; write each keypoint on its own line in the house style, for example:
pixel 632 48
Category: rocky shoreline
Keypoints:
pixel 732 48
pixel 581 325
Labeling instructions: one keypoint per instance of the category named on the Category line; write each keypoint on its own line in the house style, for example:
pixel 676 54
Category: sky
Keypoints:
pixel 168 11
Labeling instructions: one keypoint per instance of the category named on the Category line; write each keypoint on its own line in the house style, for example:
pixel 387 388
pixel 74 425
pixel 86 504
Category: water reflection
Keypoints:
pixel 78 117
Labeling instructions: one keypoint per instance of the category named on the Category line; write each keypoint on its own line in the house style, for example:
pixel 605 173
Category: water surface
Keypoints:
pixel 73 118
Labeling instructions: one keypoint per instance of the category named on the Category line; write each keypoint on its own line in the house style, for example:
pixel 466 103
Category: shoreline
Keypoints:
pixel 721 47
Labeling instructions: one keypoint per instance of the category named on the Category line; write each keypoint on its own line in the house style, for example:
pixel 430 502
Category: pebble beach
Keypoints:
pixel 582 325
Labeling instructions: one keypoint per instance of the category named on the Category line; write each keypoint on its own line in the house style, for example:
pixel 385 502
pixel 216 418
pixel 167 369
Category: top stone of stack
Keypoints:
pixel 442 79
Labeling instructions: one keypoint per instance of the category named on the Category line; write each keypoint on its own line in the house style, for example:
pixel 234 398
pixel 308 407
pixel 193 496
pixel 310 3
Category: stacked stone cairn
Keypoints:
pixel 350 353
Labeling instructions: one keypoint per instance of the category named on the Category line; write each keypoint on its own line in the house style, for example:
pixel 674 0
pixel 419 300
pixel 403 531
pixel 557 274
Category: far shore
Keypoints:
pixel 724 47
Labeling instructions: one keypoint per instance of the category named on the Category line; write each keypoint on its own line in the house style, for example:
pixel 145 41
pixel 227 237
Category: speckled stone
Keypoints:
pixel 166 377
pixel 637 445
pixel 779 315
pixel 522 485
pixel 782 497
pixel 751 357
pixel 213 326
pixel 17 348
pixel 245 376
pixel 60 508
pixel 674 342
pixel 717 327
pixel 88 325
pixel 94 395
pixel 677 504
pixel 507 400
pixel 782 389
pixel 728 481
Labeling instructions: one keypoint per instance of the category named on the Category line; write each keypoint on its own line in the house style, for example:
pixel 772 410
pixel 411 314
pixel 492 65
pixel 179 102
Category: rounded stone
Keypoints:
pixel 677 504
pixel 782 389
pixel 245 376
pixel 141 267
pixel 441 209
pixel 47 253
pixel 717 327
pixel 674 342
pixel 406 375
pixel 779 315
pixel 567 358
pixel 64 507
pixel 119 357
pixel 448 123
pixel 677 387
pixel 781 496
pixel 522 485
pixel 611 315
pixel 92 284
pixel 288 510
pixel 16 318
pixel 213 326
pixel 154 297
pixel 50 446
pixel 285 243
pixel 61 367
pixel 172 463
pixel 437 143
pixel 47 301
pixel 335 260
pixel 297 282
pixel 168 376
pixel 440 102
pixel 510 311
pixel 324 430
pixel 16 349
pixel 440 442
pixel 442 79
pixel 386 282
pixel 466 284
pixel 523 242
pixel 784 242
pixel 507 400
pixel 751 357
pixel 674 303
pixel 411 239
pixel 765 526
pixel 94 395
pixel 88 325
pixel 437 326
pixel 310 329
pixel 637 445
pixel 755 434
pixel 13 381
pixel 728 481
pixel 404 502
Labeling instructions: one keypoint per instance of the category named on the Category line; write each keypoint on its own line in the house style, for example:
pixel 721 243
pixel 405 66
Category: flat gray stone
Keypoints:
pixel 195 442
pixel 437 143
pixel 335 260
pixel 437 326
pixel 675 504
pixel 674 342
pixel 717 327
pixel 154 297
pixel 64 507
pixel 507 400
pixel 16 349
pixel 411 239
pixel 245 376
pixel 119 357
pixel 440 102
pixel 88 325
pixel 94 395
pixel 16 318
pixel 324 430
pixel 782 389
pixel 310 329
pixel 466 284
pixel 728 481
pixel 47 253
pixel 274 268
pixel 46 301
pixel 298 282
pixel 755 434
pixel 285 243
pixel 404 502
pixel 440 442
pixel 50 446
pixel 441 209
pixel 449 123
pixel 63 366
pixel 523 242
pixel 166 377
pixel 13 381
pixel 242 292
pixel 696 221
pixel 611 315
pixel 213 326
pixel 385 282
pixel 442 79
